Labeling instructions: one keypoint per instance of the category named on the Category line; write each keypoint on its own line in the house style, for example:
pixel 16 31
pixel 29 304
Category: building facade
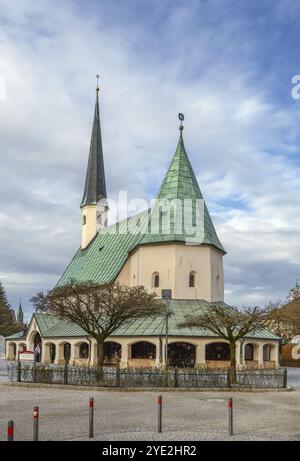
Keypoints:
pixel 157 249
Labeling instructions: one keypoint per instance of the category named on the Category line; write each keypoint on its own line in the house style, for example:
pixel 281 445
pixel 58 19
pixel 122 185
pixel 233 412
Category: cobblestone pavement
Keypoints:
pixel 133 415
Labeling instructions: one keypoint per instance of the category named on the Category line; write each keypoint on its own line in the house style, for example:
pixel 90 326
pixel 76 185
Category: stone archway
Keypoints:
pixel 66 352
pixel 36 345
pixel 217 355
pixel 112 352
pixel 11 351
pixel 50 352
pixel 181 354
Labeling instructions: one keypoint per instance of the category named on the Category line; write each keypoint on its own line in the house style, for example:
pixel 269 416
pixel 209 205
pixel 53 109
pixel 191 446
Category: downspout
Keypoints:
pixel 241 352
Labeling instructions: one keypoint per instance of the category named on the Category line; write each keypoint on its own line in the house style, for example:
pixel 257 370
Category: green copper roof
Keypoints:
pixel 103 259
pixel 51 326
pixel 105 256
pixel 18 335
pixel 180 186
pixel 95 188
pixel 180 181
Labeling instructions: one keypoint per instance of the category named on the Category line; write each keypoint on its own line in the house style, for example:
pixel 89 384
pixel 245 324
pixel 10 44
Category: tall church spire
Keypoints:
pixel 95 187
pixel 20 315
pixel 94 201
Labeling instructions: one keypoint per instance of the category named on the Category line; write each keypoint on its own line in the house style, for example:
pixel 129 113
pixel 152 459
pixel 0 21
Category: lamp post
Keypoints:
pixel 167 295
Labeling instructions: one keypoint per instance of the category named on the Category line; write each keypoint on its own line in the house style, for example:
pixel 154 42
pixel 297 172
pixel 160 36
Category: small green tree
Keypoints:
pixel 8 324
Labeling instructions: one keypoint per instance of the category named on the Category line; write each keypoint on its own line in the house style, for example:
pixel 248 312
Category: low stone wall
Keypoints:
pixel 141 363
pixel 217 364
pixel 270 364
pixel 251 364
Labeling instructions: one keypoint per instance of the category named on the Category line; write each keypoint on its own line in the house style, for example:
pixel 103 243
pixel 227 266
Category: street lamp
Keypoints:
pixel 167 295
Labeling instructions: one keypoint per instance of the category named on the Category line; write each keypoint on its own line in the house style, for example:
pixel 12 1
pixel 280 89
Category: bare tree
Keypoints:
pixel 98 309
pixel 284 319
pixel 294 293
pixel 229 323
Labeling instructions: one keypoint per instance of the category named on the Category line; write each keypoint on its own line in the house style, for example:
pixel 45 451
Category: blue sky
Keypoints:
pixel 226 65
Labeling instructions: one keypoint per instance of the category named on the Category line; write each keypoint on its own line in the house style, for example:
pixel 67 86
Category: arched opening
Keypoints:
pixel 22 347
pixel 67 352
pixel 37 346
pixel 155 280
pixel 218 284
pixel 217 351
pixel 267 352
pixel 143 350
pixel 52 352
pixel 83 220
pixel 112 352
pixel 84 351
pixel 12 351
pixel 249 352
pixel 192 279
pixel 181 355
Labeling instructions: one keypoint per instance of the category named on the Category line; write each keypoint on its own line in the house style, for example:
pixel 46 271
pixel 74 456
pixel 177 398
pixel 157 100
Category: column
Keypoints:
pixel 124 355
pixel 239 353
pixel 74 353
pixel 200 354
pixel 260 355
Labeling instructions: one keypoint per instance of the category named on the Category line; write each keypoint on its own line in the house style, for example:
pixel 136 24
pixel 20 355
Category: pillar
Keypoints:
pixel 261 355
pixel 200 354
pixel 124 355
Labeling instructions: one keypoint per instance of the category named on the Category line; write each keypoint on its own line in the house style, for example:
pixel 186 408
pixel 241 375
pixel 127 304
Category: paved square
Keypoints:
pixel 133 415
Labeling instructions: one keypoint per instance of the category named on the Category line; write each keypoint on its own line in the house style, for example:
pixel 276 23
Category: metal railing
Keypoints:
pixel 145 377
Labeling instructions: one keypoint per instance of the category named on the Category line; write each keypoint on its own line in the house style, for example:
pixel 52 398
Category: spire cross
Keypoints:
pixel 97 88
pixel 181 118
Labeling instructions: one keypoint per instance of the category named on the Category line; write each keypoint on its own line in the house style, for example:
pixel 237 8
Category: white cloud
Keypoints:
pixel 242 144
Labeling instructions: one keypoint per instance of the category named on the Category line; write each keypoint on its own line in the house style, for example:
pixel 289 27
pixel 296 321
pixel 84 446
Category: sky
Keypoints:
pixel 226 65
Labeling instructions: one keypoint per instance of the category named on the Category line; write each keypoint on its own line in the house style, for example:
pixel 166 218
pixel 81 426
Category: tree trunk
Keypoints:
pixel 232 371
pixel 100 353
pixel 100 360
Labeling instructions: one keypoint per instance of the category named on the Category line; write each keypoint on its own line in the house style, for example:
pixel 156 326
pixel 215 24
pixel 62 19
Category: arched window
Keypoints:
pixel 83 220
pixel 218 283
pixel 112 352
pixel 155 280
pixel 143 350
pixel 192 279
pixel 267 352
pixel 84 351
pixel 67 351
pixel 217 351
pixel 249 352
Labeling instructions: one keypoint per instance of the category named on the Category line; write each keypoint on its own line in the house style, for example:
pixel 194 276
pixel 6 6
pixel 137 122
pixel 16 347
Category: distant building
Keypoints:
pixel 192 270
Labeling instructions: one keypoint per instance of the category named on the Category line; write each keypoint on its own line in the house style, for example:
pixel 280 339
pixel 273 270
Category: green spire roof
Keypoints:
pixel 180 181
pixel 180 186
pixel 95 188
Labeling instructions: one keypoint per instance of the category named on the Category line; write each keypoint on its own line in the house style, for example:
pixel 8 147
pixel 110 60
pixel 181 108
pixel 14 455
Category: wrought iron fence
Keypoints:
pixel 145 377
